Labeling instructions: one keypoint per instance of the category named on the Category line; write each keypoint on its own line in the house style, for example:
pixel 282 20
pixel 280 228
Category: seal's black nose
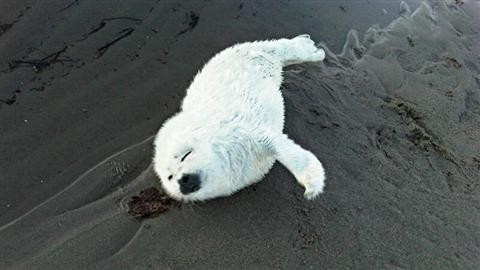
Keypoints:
pixel 189 183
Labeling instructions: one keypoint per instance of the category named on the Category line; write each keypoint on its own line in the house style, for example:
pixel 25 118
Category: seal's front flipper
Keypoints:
pixel 306 168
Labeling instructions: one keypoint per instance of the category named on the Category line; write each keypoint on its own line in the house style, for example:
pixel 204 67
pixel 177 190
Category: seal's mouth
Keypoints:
pixel 188 190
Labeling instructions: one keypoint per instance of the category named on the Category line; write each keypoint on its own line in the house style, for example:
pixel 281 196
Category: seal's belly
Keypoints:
pixel 271 110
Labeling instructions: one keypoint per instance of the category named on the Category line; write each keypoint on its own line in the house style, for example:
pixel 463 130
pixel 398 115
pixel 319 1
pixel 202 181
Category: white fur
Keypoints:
pixel 232 121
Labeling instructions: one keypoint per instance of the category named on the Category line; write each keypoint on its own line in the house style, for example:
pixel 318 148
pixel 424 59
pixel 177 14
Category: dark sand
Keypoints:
pixel 395 118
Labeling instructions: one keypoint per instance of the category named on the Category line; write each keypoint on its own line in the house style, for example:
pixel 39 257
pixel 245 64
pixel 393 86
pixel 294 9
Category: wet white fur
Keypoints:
pixel 232 122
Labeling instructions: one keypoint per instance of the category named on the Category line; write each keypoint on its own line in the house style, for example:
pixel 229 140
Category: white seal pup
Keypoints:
pixel 229 131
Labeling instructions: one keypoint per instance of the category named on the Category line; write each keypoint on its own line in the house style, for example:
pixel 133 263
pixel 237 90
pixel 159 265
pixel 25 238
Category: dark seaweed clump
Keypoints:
pixel 150 203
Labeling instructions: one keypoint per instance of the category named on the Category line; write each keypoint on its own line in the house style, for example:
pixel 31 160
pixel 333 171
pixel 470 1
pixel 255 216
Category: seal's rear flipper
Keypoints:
pixel 298 50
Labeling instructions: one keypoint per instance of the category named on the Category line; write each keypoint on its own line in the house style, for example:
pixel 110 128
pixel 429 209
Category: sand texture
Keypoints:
pixel 394 115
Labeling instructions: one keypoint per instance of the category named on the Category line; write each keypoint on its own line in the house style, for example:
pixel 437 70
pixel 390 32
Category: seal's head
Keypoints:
pixel 191 166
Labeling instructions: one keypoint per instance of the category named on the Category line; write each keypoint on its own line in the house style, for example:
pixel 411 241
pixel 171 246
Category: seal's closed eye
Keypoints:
pixel 186 155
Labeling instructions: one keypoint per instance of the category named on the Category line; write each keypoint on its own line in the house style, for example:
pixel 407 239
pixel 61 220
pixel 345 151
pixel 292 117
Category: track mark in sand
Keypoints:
pixel 384 138
pixel 459 184
pixel 12 99
pixel 4 28
pixel 411 43
pixel 240 7
pixel 129 241
pixel 78 181
pixel 307 233
pixel 321 117
pixel 112 175
pixel 39 65
pixel 465 179
pixel 418 133
pixel 446 62
pixel 451 62
pixel 68 238
pixel 191 19
pixel 75 2
pixel 103 23
pixel 472 103
pixel 125 33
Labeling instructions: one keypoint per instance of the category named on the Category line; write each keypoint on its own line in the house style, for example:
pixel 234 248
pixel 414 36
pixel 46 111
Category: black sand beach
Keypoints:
pixel 393 113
